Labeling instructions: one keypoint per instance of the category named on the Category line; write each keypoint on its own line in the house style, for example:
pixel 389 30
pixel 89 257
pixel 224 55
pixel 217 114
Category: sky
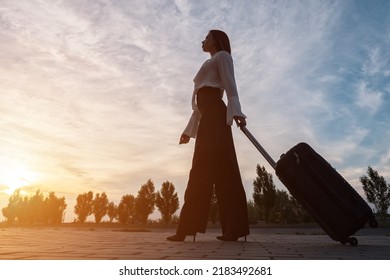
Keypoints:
pixel 94 95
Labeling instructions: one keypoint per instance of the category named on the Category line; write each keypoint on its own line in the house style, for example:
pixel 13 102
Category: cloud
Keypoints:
pixel 367 98
pixel 375 64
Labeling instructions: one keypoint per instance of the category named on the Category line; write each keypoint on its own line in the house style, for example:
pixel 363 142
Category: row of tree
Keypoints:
pixel 269 204
pixel 51 210
pixel 34 209
pixel 130 209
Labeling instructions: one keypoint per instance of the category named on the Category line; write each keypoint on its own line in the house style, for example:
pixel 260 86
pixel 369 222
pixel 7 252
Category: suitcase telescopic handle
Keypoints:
pixel 258 146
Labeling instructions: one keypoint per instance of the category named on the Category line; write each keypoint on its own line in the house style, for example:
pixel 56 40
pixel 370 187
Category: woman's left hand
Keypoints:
pixel 184 139
pixel 240 121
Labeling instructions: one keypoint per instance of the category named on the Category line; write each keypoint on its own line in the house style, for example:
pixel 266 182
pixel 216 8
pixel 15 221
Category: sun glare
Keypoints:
pixel 16 178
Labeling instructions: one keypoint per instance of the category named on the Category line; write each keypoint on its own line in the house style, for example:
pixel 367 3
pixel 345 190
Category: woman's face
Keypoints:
pixel 208 45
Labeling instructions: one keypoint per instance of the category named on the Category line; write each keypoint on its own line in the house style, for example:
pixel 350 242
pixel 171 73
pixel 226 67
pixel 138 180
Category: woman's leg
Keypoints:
pixel 230 190
pixel 195 211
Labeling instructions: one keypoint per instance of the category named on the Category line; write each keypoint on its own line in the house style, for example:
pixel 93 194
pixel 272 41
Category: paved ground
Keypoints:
pixel 90 243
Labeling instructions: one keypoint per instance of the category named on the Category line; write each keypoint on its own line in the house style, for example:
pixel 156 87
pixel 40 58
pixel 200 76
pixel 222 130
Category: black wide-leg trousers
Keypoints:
pixel 214 164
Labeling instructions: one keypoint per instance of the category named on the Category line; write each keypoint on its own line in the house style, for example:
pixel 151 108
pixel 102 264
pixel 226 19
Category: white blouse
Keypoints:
pixel 217 72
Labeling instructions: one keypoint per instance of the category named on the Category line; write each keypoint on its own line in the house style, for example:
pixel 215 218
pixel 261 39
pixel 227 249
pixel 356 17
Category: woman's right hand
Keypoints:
pixel 184 139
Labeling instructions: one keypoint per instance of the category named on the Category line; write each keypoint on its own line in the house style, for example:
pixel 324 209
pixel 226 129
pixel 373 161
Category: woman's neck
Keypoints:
pixel 212 53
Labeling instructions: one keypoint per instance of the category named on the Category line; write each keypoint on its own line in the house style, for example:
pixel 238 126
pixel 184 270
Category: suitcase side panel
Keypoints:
pixel 335 205
pixel 333 183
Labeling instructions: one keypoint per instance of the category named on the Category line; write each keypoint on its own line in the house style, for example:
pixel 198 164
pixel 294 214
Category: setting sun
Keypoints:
pixel 16 178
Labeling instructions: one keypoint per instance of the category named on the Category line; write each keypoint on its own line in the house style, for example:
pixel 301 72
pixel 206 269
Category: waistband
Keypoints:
pixel 210 91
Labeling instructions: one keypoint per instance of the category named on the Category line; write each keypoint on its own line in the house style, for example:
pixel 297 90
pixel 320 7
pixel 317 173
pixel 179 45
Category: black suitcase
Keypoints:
pixel 321 190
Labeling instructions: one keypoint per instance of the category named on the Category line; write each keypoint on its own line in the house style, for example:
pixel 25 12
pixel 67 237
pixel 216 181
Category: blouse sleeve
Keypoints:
pixel 192 126
pixel 226 72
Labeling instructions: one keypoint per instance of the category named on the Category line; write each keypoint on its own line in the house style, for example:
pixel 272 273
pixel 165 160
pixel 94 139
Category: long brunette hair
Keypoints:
pixel 221 40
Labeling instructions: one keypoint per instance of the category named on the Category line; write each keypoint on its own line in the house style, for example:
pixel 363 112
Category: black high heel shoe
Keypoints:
pixel 230 237
pixel 180 237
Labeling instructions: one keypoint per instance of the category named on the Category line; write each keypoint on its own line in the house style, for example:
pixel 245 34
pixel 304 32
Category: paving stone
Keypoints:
pixel 72 243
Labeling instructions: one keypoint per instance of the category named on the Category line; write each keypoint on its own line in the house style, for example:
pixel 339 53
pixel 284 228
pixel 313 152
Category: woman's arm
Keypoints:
pixel 226 72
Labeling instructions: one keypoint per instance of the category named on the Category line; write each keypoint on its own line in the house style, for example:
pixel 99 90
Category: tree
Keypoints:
pixel 377 191
pixel 126 209
pixel 288 210
pixel 264 192
pixel 145 201
pixel 167 201
pixel 282 206
pixel 15 207
pixel 83 207
pixel 253 212
pixel 99 206
pixel 112 211
pixel 35 208
pixel 54 209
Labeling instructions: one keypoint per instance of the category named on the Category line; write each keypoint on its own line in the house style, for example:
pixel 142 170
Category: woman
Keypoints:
pixel 214 163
